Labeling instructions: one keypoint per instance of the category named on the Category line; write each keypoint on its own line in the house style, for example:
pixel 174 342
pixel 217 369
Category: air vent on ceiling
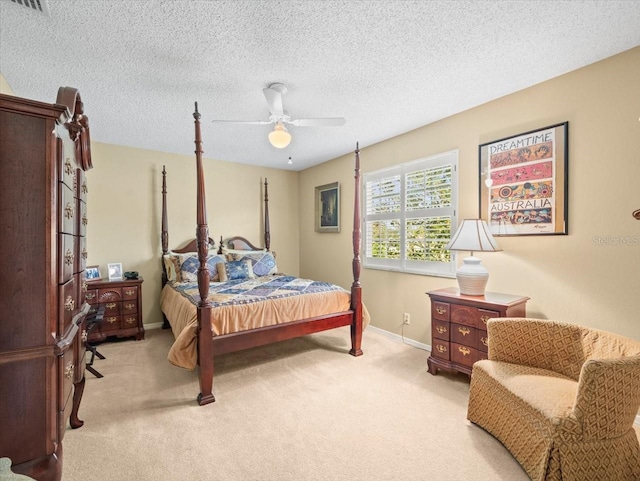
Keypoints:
pixel 39 6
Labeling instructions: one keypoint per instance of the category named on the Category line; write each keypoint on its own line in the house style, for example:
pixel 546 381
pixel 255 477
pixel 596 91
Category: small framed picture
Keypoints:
pixel 328 208
pixel 92 273
pixel 115 271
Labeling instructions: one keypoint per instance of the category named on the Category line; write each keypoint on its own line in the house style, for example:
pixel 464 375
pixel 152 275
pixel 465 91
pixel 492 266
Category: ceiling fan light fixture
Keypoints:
pixel 279 137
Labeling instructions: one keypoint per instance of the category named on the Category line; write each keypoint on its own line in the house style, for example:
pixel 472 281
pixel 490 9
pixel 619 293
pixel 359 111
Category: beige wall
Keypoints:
pixel 125 209
pixel 568 278
pixel 5 88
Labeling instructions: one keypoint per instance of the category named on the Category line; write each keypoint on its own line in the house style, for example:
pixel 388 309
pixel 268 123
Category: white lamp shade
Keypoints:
pixel 279 138
pixel 472 235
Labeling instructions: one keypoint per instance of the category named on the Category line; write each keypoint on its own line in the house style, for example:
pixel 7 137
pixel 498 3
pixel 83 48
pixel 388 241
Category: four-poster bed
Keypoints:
pixel 247 309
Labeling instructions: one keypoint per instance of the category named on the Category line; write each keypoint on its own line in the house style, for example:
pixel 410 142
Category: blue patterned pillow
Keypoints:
pixel 189 268
pixel 263 263
pixel 237 270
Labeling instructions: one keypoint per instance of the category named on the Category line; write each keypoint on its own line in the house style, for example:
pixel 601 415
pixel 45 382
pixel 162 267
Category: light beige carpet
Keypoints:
pixel 298 410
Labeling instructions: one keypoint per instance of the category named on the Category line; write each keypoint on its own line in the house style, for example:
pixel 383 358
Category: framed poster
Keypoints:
pixel 327 210
pixel 524 183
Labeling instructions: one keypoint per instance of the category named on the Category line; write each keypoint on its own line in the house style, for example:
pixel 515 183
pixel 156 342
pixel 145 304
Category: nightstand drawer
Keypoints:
pixel 129 307
pixel 471 316
pixel 130 292
pixel 464 355
pixel 111 323
pixel 129 321
pixel 440 349
pixel 440 329
pixel 462 334
pixel 483 341
pixel 485 316
pixel 440 310
pixel 109 295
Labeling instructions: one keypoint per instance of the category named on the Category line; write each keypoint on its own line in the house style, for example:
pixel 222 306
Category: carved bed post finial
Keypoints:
pixel 636 214
pixel 267 228
pixel 165 222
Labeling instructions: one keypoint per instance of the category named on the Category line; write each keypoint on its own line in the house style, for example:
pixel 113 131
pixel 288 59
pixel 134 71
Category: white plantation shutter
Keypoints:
pixel 408 213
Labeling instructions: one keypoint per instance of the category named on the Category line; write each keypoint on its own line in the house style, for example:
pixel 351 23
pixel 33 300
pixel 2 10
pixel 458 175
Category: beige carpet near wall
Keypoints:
pixel 298 410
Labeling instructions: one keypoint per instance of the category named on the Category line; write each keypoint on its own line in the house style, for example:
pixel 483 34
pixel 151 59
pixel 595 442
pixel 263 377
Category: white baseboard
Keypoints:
pixel 154 325
pixel 398 338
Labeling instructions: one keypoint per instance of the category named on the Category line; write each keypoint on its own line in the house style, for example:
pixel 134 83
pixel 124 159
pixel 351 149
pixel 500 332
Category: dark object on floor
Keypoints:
pixel 92 323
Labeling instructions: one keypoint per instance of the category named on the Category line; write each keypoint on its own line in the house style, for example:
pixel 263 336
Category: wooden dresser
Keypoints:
pixel 459 326
pixel 122 302
pixel 44 153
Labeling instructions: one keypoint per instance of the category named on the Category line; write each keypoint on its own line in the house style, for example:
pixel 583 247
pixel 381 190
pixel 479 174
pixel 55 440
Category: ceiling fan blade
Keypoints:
pixel 253 122
pixel 328 122
pixel 274 101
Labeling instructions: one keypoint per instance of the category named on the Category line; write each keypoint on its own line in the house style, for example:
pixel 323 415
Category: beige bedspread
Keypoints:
pixel 181 313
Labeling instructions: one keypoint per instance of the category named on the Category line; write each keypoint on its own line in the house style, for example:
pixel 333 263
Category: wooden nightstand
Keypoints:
pixel 459 326
pixel 122 301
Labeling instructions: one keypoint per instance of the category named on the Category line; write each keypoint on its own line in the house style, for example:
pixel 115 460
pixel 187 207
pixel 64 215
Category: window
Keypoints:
pixel 409 211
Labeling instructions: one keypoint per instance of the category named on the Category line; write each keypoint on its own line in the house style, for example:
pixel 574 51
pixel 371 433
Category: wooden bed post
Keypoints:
pixel 267 229
pixel 356 289
pixel 205 332
pixel 165 239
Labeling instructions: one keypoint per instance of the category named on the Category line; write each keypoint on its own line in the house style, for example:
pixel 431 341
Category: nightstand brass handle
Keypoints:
pixel 484 319
pixel 441 348
pixel 110 305
pixel 441 329
pixel 111 320
pixel 69 303
pixel 440 310
pixel 68 168
pixel 485 341
pixel 129 306
pixel 68 211
pixel 129 292
pixel 68 370
pixel 68 257
pixel 464 350
pixel 130 320
pixel 464 331
pixel 90 296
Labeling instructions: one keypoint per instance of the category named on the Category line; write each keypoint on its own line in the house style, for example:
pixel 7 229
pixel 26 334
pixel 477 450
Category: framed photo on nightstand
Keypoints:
pixel 92 273
pixel 115 271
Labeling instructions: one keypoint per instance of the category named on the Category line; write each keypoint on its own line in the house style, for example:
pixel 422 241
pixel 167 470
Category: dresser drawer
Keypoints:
pixel 129 307
pixel 91 296
pixel 67 303
pixel 440 329
pixel 111 308
pixel 109 294
pixel 67 169
pixel 471 316
pixel 111 323
pixel 82 219
pixel 440 310
pixel 82 182
pixel 440 349
pixel 67 205
pixel 464 355
pixel 129 321
pixel 66 375
pixel 83 253
pixel 463 334
pixel 130 292
pixel 66 257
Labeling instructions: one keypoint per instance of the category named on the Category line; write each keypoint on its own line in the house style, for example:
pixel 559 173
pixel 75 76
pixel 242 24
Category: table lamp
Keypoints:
pixel 472 235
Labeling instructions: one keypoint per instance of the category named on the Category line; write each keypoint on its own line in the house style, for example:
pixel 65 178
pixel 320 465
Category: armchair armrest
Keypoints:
pixel 608 396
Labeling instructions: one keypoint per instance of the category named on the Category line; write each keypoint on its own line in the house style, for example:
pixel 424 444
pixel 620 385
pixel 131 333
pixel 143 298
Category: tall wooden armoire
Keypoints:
pixel 44 153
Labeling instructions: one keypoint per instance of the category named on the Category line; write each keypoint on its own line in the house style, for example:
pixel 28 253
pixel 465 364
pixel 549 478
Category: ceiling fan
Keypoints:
pixel 280 137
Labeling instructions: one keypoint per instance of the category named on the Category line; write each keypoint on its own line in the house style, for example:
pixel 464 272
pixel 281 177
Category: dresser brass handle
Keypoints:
pixel 85 254
pixel 130 320
pixel 84 187
pixel 68 257
pixel 69 303
pixel 129 306
pixel 464 331
pixel 129 292
pixel 484 341
pixel 440 310
pixel 464 350
pixel 84 335
pixel 110 305
pixel 484 319
pixel 68 211
pixel 90 296
pixel 441 329
pixel 68 370
pixel 85 220
pixel 441 348
pixel 111 320
pixel 68 168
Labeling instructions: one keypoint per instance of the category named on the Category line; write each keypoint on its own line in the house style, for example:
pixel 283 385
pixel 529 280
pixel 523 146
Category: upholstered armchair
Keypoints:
pixel 562 398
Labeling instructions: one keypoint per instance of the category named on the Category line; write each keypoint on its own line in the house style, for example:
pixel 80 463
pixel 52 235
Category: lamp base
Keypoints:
pixel 472 277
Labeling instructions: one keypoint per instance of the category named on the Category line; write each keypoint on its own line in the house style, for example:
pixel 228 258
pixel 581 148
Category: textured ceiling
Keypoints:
pixel 386 66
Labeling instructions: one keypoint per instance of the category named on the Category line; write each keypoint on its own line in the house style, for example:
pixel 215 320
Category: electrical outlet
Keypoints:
pixel 406 318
